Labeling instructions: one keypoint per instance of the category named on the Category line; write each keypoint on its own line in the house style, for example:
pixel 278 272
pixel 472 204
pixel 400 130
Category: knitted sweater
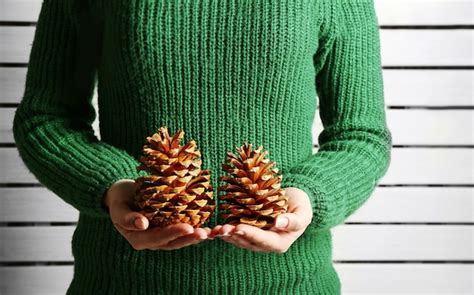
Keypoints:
pixel 226 72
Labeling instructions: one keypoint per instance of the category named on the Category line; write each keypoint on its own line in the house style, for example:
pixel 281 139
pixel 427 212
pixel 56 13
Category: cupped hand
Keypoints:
pixel 134 227
pixel 287 229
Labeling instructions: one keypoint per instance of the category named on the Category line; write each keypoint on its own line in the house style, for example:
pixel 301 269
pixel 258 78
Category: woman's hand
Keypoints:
pixel 133 226
pixel 288 227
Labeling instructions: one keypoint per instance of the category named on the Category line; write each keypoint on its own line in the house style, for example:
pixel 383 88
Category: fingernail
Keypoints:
pixel 239 232
pixel 203 238
pixel 223 235
pixel 282 222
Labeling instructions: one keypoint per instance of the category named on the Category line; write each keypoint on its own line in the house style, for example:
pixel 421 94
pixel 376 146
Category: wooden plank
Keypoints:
pixel 387 204
pixel 20 10
pixel 428 87
pixel 356 279
pixel 351 243
pixel 427 47
pixel 403 242
pixel 424 12
pixel 39 280
pixel 399 47
pixel 16 43
pixel 36 243
pixel 6 123
pixel 417 204
pixel 431 127
pixel 408 166
pixel 41 204
pixel 12 83
pixel 389 12
pixel 406 279
pixel 430 166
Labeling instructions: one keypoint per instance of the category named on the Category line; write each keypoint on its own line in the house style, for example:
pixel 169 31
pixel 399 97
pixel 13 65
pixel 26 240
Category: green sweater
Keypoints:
pixel 225 71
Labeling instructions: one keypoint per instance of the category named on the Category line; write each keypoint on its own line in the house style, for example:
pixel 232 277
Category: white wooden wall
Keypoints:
pixel 414 235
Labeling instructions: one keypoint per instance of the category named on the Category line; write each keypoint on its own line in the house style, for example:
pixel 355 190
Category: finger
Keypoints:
pixel 263 238
pixel 174 231
pixel 215 231
pixel 208 231
pixel 290 222
pixel 243 243
pixel 127 218
pixel 198 236
pixel 201 233
pixel 226 230
pixel 156 237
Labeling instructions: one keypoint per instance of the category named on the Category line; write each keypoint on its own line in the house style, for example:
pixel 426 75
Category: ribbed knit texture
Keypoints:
pixel 225 71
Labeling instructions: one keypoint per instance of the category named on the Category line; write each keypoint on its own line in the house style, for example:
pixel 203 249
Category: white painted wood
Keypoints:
pixel 408 166
pixel 95 104
pixel 36 243
pixel 356 279
pixel 428 87
pixel 12 84
pixel 6 123
pixel 427 47
pixel 38 280
pixel 16 43
pixel 402 87
pixel 398 47
pixel 417 204
pixel 389 12
pixel 403 242
pixel 20 10
pixel 350 242
pixel 430 166
pixel 406 279
pixel 387 204
pixel 436 127
pixel 34 204
pixel 424 12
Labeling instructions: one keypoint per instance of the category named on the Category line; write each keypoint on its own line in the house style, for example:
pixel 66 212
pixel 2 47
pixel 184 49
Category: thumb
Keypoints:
pixel 138 221
pixel 289 222
pixel 129 219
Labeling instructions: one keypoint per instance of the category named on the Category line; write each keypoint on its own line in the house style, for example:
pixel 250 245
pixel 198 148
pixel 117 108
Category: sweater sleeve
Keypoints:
pixel 355 144
pixel 52 125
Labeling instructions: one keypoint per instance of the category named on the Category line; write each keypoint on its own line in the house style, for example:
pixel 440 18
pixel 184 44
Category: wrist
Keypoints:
pixel 118 190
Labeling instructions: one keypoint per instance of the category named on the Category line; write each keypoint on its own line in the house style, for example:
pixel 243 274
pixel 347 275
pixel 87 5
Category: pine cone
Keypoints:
pixel 253 194
pixel 177 191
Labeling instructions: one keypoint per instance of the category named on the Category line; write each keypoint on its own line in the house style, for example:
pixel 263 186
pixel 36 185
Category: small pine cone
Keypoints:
pixel 253 194
pixel 177 190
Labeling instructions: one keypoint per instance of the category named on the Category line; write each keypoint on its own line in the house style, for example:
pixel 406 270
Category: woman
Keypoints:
pixel 226 72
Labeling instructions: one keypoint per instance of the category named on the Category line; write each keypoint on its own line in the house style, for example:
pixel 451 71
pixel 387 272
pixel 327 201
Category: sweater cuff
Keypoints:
pixel 314 192
pixel 122 169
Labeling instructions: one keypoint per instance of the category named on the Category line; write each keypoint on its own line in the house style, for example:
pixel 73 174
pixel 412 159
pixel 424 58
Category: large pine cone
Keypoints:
pixel 177 191
pixel 253 194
